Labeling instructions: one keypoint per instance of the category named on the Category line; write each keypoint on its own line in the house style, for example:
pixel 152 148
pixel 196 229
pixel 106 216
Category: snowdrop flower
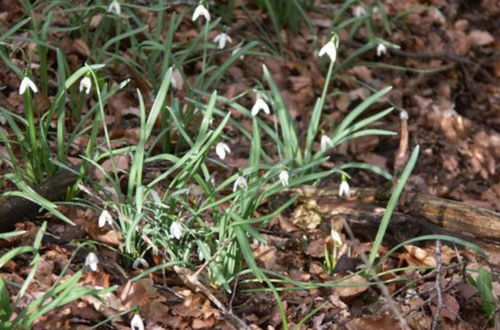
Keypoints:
pixel 91 261
pixel 284 177
pixel 105 218
pixel 336 237
pixel 344 189
pixel 222 149
pixel 85 84
pixel 201 11
pixel 326 142
pixel 136 323
pixel 240 182
pixel 2 120
pixel 381 50
pixel 140 262
pixel 115 8
pixel 176 230
pixel 329 49
pixel 260 104
pixel 359 11
pixel 25 83
pixel 222 39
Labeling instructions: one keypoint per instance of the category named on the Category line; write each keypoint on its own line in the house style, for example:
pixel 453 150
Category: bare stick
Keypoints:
pixel 439 291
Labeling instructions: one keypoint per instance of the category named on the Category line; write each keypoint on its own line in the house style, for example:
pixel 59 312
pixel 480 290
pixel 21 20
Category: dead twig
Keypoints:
pixel 439 291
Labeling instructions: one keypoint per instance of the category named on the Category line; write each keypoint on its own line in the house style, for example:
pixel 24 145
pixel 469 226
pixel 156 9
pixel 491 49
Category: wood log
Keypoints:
pixel 451 215
pixel 16 209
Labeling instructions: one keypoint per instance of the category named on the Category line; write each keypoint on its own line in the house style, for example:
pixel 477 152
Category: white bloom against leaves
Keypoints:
pixel 381 50
pixel 176 230
pixel 336 238
pixel 359 11
pixel 91 261
pixel 284 175
pixel 85 84
pixel 259 105
pixel 27 83
pixel 136 323
pixel 329 49
pixel 105 218
pixel 222 39
pixel 115 7
pixel 326 142
pixel 344 189
pixel 222 149
pixel 240 182
pixel 201 11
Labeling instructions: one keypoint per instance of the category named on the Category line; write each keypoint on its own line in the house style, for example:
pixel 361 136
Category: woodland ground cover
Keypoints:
pixel 249 164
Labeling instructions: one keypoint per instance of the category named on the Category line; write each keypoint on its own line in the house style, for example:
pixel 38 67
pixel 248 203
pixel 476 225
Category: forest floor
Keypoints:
pixel 446 76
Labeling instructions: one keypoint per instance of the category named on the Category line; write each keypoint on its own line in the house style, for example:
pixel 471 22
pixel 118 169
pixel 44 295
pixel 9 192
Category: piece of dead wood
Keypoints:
pixel 15 209
pixel 451 215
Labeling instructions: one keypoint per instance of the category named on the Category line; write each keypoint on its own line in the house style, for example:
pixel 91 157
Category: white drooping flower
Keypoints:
pixel 222 39
pixel 85 84
pixel 176 230
pixel 221 149
pixel 359 11
pixel 140 262
pixel 259 105
pixel 105 218
pixel 336 237
pixel 240 182
pixel 201 11
pixel 344 189
pixel 115 7
pixel 136 323
pixel 329 49
pixel 27 83
pixel 284 175
pixel 326 142
pixel 3 121
pixel 381 50
pixel 91 261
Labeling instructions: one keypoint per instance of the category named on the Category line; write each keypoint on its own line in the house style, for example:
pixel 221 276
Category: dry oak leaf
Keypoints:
pixel 357 285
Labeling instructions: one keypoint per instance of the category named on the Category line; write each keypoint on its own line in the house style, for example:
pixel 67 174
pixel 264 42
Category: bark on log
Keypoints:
pixel 15 209
pixel 448 214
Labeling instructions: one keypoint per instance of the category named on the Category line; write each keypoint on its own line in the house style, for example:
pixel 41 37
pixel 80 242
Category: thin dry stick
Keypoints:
pixel 382 287
pixel 439 291
pixel 192 282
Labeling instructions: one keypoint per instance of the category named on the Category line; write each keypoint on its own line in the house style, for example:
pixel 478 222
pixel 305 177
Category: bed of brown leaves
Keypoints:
pixel 454 117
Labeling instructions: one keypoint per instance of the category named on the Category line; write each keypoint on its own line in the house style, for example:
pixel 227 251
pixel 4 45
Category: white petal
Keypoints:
pixel 336 237
pixel 381 50
pixel 140 262
pixel 136 323
pixel 27 83
pixel 86 84
pixel 284 177
pixel 344 189
pixel 201 11
pixel 329 49
pixel 105 218
pixel 176 230
pixel 91 261
pixel 326 142
pixel 260 104
pixel 222 149
pixel 359 11
pixel 240 182
pixel 115 7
